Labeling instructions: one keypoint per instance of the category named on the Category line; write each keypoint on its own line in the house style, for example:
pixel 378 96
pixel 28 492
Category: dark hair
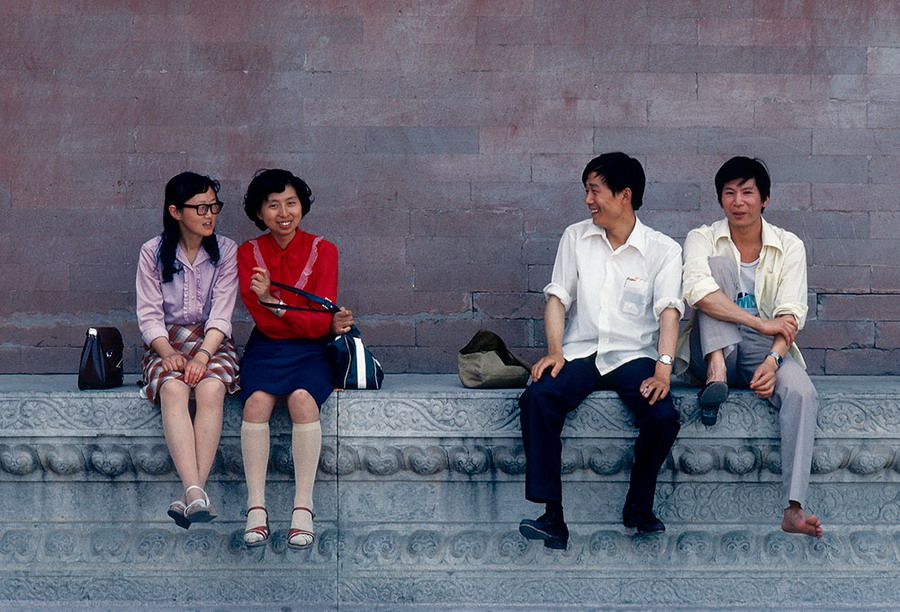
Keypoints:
pixel 744 168
pixel 618 171
pixel 266 182
pixel 179 190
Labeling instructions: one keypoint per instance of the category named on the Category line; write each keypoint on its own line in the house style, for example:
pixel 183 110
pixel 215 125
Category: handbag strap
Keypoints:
pixel 327 305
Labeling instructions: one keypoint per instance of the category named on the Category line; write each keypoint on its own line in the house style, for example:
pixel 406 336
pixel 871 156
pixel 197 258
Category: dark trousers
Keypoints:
pixel 545 404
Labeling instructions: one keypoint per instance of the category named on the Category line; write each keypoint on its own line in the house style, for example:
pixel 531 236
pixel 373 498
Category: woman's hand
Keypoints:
pixel 174 362
pixel 260 283
pixel 194 371
pixel 342 321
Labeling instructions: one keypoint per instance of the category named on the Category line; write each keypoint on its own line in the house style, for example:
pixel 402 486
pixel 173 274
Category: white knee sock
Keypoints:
pixel 255 452
pixel 306 444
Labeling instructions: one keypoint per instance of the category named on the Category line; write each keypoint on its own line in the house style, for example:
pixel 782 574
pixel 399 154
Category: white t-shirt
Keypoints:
pixel 745 298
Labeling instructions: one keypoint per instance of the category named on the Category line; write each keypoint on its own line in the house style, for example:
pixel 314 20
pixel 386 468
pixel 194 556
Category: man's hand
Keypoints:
pixel 763 381
pixel 783 325
pixel 657 386
pixel 554 361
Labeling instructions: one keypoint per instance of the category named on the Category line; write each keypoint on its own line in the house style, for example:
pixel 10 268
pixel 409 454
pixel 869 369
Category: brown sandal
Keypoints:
pixel 301 532
pixel 176 513
pixel 262 530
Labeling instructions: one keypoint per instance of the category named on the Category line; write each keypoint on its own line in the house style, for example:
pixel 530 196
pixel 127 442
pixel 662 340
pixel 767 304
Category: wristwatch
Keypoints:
pixel 665 360
pixel 778 358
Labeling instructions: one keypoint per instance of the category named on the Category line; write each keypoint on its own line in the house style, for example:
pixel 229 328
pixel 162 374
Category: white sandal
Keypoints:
pixel 200 510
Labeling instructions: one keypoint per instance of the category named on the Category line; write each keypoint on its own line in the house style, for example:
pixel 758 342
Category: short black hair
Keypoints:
pixel 744 168
pixel 270 181
pixel 618 171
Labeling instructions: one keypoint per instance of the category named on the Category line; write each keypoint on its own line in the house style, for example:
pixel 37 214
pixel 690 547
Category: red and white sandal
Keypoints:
pixel 261 530
pixel 305 537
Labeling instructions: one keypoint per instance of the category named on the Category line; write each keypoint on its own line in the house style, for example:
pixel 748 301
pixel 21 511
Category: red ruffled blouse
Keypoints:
pixel 310 263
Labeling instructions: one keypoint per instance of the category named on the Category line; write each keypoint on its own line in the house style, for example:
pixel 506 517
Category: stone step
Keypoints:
pixel 419 494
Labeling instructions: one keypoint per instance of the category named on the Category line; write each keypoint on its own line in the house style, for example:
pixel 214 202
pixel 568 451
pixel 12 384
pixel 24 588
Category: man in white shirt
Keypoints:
pixel 619 283
pixel 747 280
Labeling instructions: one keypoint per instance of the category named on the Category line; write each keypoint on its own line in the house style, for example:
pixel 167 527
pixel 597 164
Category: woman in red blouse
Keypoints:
pixel 285 355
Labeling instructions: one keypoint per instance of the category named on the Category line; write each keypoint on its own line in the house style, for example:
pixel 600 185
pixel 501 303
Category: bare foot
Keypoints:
pixel 797 521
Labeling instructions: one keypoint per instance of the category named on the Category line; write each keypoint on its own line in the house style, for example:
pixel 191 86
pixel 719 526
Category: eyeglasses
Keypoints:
pixel 202 209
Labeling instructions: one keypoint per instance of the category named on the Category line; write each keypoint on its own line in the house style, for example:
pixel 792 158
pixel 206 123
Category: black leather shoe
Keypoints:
pixel 551 529
pixel 711 396
pixel 645 521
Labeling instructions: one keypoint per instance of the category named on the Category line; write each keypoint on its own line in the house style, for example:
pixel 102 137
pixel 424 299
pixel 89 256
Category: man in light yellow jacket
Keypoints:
pixel 746 279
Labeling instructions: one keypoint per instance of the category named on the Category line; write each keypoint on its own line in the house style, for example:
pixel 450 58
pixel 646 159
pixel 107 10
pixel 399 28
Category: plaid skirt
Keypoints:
pixel 186 339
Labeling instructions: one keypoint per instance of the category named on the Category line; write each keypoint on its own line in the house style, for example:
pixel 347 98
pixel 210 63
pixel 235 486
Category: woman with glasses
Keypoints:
pixel 186 288
pixel 285 355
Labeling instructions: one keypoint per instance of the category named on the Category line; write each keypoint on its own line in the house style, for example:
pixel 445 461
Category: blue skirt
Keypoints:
pixel 281 366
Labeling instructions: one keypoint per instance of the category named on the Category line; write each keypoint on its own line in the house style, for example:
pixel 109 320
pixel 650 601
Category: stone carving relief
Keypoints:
pixel 720 495
pixel 467 415
pixel 66 414
pixel 436 415
pixel 490 546
pixel 693 458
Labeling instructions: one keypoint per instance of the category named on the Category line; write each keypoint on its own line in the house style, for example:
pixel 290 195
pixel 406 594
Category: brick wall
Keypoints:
pixel 444 141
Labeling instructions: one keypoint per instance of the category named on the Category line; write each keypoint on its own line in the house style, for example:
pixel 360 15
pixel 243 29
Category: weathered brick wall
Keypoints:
pixel 444 140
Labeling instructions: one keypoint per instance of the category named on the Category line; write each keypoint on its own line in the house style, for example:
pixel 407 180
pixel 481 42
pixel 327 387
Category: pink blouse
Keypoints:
pixel 201 292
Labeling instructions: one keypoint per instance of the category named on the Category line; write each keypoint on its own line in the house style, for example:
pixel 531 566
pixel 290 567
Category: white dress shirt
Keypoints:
pixel 613 298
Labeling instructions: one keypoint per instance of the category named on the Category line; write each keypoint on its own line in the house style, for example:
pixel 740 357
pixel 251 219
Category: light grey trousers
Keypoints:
pixel 744 349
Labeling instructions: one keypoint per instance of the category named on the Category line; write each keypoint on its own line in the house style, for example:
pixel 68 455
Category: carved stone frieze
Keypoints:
pixel 833 461
pixel 743 590
pixel 140 589
pixel 76 412
pixel 757 590
pixel 121 412
pixel 875 503
pixel 433 415
pixel 753 546
pixel 147 546
pixel 450 548
pixel 465 413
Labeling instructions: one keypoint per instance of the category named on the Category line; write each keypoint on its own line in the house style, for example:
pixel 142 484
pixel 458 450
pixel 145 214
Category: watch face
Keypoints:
pixel 665 359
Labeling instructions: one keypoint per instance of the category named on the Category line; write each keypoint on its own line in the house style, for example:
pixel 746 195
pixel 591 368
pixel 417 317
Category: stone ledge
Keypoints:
pixel 415 405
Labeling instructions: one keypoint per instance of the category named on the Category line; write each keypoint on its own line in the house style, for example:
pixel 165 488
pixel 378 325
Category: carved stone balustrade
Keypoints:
pixel 418 498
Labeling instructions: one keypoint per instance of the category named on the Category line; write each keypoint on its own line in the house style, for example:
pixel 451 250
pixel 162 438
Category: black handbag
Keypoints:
pixel 353 366
pixel 101 359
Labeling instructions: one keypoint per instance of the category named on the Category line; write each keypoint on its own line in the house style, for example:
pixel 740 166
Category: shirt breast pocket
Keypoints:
pixel 635 298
